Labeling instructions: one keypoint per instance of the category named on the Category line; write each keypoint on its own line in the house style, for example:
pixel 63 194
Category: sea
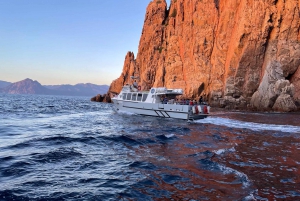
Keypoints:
pixel 69 148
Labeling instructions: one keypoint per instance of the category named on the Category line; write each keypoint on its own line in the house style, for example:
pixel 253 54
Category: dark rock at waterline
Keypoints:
pixel 102 98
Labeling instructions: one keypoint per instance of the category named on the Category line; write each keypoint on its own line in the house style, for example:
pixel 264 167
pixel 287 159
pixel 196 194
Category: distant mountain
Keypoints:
pixel 4 84
pixel 29 86
pixel 81 89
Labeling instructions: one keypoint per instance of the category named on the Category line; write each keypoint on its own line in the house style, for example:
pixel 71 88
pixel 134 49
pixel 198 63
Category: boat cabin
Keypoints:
pixel 155 95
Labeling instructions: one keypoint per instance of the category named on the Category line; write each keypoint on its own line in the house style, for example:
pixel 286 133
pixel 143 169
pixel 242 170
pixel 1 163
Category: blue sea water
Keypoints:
pixel 68 148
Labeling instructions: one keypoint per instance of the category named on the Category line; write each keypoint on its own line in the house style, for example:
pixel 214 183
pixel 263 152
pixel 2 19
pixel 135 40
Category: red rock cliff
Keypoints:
pixel 236 53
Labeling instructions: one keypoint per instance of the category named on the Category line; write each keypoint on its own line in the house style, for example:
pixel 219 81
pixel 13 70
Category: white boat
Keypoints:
pixel 151 103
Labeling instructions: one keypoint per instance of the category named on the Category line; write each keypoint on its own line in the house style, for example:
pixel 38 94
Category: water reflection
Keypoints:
pixel 77 150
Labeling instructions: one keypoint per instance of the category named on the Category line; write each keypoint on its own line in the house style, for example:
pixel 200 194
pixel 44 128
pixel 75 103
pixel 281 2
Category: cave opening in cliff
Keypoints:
pixel 289 77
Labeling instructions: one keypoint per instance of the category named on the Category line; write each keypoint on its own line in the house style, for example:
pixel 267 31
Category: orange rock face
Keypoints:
pixel 235 53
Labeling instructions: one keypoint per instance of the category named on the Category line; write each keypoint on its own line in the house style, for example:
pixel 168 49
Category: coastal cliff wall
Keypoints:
pixel 235 53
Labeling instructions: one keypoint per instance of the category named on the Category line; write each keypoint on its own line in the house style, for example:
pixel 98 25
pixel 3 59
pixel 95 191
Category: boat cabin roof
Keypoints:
pixel 163 90
pixel 154 91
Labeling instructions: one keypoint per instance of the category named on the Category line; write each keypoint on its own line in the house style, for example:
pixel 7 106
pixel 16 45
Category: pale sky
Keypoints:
pixel 68 41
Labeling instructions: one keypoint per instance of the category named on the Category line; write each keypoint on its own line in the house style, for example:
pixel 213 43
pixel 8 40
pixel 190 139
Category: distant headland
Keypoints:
pixel 29 86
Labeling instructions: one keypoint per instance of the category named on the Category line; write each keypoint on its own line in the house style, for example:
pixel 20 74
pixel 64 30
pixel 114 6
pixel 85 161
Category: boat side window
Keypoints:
pixel 134 96
pixel 124 96
pixel 128 96
pixel 145 97
pixel 139 97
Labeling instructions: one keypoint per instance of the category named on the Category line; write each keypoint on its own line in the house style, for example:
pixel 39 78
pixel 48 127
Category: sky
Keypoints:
pixel 68 41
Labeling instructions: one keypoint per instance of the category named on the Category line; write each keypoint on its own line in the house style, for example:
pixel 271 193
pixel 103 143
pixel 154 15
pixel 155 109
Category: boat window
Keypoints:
pixel 139 97
pixel 145 97
pixel 171 96
pixel 134 97
pixel 128 96
pixel 124 96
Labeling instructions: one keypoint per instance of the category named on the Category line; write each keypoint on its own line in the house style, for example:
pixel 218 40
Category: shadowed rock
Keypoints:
pixel 102 98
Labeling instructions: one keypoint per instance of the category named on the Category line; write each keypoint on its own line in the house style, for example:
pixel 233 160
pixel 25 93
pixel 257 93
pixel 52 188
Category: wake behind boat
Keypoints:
pixel 159 102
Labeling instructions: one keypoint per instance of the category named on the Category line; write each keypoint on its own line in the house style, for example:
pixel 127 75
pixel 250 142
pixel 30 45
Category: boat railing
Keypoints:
pixel 178 102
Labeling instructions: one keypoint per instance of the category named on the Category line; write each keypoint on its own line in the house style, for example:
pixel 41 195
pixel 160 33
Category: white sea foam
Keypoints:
pixel 169 135
pixel 221 151
pixel 248 125
pixel 227 170
pixel 125 112
pixel 250 197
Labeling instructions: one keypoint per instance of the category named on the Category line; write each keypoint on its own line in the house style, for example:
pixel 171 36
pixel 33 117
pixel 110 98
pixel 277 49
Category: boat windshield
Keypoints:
pixel 140 97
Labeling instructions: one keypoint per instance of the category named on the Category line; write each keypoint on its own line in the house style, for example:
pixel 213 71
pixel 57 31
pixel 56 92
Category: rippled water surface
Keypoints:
pixel 68 148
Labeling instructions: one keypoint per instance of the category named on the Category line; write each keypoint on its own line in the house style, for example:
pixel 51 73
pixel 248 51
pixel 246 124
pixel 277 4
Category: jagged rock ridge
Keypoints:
pixel 236 53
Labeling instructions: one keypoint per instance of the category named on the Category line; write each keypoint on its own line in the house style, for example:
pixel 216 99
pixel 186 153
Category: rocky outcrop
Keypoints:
pixel 235 53
pixel 128 70
pixel 295 79
pixel 274 91
pixel 102 98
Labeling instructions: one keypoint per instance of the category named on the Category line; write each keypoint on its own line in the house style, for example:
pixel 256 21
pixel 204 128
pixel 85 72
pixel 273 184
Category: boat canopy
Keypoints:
pixel 164 90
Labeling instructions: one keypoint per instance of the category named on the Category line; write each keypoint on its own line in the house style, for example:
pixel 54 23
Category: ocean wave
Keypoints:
pixel 125 112
pixel 243 178
pixel 169 135
pixel 123 139
pixel 143 165
pixel 221 151
pixel 249 125
pixel 57 155
pixel 210 165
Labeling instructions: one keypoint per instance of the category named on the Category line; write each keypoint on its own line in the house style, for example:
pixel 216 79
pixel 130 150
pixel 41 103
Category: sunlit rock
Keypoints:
pixel 221 50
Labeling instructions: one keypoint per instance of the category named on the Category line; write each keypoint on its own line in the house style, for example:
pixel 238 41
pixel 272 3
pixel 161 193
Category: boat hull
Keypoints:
pixel 158 110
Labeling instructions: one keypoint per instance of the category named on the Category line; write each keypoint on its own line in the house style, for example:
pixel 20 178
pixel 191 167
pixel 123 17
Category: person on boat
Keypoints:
pixel 187 102
pixel 135 84
pixel 191 102
pixel 165 100
pixel 200 100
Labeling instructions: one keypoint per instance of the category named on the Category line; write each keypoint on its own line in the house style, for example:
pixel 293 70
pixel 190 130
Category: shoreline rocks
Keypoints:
pixel 105 98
